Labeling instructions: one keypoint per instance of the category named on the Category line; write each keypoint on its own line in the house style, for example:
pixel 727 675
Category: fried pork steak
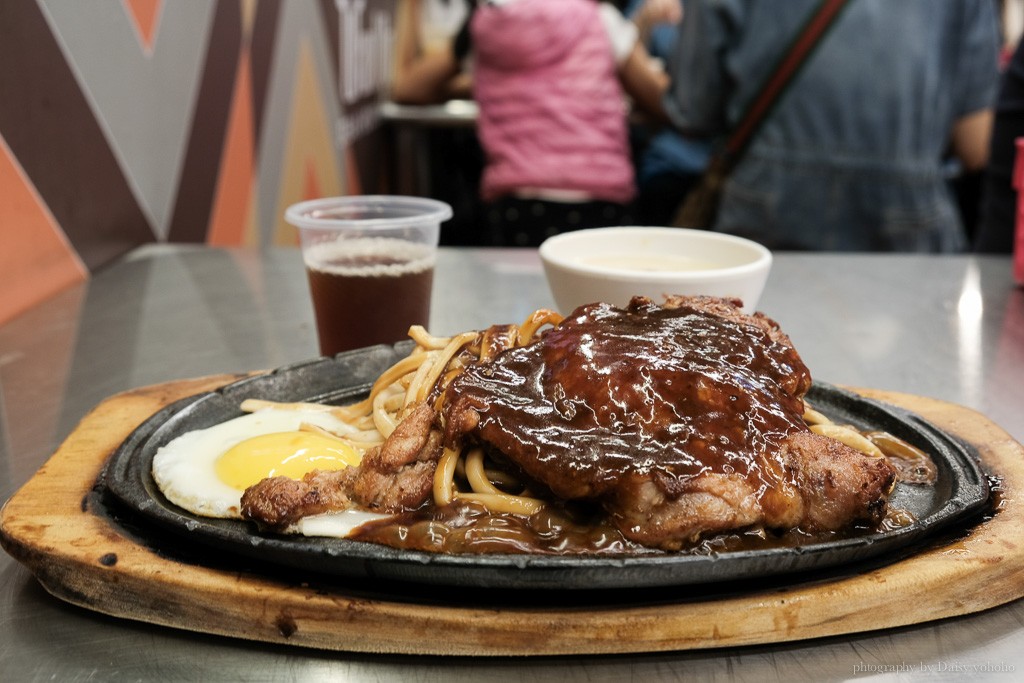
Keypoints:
pixel 680 420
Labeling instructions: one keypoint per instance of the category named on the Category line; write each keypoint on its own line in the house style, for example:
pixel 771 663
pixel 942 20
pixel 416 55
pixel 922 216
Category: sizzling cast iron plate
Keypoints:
pixel 961 491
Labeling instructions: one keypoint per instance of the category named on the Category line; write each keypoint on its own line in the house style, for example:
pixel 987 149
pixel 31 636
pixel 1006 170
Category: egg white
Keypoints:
pixel 334 524
pixel 184 469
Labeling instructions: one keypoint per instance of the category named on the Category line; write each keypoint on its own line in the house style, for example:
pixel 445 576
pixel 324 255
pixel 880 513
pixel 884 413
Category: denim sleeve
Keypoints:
pixel 977 77
pixel 696 98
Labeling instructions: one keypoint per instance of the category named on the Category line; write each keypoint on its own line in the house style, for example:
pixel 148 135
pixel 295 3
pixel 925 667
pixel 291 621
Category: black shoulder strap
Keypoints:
pixel 789 65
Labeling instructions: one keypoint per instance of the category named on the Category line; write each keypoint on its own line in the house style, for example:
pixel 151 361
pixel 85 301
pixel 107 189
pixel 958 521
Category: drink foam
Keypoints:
pixel 355 257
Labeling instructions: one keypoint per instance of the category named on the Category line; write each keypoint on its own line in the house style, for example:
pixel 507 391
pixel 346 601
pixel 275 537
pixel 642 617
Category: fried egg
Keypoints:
pixel 205 471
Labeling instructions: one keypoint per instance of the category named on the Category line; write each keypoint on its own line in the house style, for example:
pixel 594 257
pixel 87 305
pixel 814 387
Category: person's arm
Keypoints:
pixel 975 85
pixel 427 80
pixel 971 137
pixel 644 83
pixel 407 38
pixel 421 77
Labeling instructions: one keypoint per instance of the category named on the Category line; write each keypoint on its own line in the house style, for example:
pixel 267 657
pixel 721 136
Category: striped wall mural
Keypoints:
pixel 131 121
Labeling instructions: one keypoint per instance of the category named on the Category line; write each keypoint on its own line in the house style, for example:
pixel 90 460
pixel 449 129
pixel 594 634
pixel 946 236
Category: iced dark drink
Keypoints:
pixel 369 291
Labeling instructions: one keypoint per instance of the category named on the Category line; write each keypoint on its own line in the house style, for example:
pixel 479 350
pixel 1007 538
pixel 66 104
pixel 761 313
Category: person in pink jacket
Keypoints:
pixel 554 81
pixel 551 80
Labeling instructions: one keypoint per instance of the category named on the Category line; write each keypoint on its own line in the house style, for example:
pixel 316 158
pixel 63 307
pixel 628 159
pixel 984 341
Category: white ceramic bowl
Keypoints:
pixel 614 264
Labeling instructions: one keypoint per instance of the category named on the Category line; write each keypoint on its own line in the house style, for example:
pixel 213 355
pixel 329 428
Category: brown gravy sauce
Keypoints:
pixel 471 529
pixel 576 529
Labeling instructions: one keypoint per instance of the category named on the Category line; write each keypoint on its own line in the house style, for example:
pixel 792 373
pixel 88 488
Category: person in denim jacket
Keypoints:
pixel 856 154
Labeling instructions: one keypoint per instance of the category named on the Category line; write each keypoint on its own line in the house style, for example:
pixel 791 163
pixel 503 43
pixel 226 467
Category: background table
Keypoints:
pixel 433 151
pixel 950 328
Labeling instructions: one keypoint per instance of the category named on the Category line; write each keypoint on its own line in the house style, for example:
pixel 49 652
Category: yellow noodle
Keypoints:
pixel 444 477
pixel 475 474
pixel 413 390
pixel 503 502
pixel 533 323
pixel 813 417
pixel 364 423
pixel 395 402
pixel 382 419
pixel 849 436
pixel 365 443
pixel 449 375
pixel 441 363
pixel 426 340
pixel 389 377
pixel 495 339
pixel 251 405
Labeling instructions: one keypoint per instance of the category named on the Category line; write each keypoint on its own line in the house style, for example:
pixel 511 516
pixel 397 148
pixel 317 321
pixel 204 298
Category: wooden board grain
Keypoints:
pixel 88 560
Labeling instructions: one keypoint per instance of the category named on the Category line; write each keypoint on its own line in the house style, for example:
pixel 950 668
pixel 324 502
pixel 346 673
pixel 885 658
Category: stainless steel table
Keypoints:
pixel 947 327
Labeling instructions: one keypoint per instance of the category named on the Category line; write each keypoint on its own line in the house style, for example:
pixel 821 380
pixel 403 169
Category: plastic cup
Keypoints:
pixel 370 264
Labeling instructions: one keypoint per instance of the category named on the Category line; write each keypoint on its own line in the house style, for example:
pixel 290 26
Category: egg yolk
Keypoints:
pixel 289 454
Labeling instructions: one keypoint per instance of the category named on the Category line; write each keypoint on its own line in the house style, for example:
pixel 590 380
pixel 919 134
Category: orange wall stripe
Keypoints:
pixel 229 219
pixel 145 14
pixel 36 260
pixel 310 162
pixel 310 185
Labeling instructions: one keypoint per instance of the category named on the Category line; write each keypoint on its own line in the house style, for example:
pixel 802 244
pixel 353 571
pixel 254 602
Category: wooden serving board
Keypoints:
pixel 87 559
